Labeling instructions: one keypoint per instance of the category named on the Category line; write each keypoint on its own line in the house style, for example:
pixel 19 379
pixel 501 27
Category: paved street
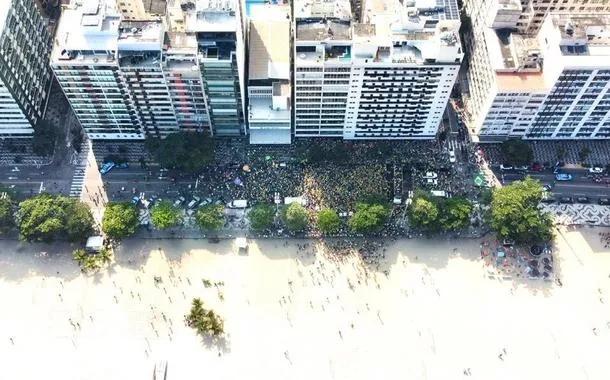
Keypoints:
pixel 581 185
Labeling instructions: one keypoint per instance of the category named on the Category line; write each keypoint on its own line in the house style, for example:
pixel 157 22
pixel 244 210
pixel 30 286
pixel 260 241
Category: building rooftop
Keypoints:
pixel 210 16
pixel 514 5
pixel 511 51
pixel 155 7
pixel 269 49
pixel 524 82
pixel 87 31
pixel 585 34
pixel 141 34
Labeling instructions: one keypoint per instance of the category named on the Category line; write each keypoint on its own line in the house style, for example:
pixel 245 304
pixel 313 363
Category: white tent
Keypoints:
pixel 94 244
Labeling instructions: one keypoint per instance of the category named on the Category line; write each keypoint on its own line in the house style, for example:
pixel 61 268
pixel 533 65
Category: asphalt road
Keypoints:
pixel 581 185
pixel 31 180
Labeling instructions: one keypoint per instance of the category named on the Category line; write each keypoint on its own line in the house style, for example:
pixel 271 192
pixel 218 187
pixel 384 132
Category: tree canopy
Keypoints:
pixel 210 217
pixel 7 214
pixel 43 139
pixel 261 217
pixel 454 213
pixel 294 217
pixel 164 215
pixel 47 217
pixel 423 214
pixel 433 214
pixel 205 322
pixel 91 262
pixel 517 152
pixel 514 213
pixel 368 217
pixel 328 221
pixel 185 151
pixel 120 220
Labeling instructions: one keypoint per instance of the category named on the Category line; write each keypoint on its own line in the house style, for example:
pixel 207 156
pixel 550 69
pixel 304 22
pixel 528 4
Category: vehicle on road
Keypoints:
pixel 548 199
pixel 603 201
pixel 524 167
pixel 563 177
pixel 537 167
pixel 107 167
pixel 135 200
pixel 566 200
pixel 431 175
pixel 452 156
pixel 123 165
pixel 547 188
pixel 179 201
pixel 596 170
pixel 506 167
pixel 238 203
pixel 582 199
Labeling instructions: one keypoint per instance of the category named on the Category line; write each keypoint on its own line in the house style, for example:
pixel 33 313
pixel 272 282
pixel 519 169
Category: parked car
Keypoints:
pixel 566 200
pixel 603 201
pixel 135 200
pixel 536 167
pixel 431 175
pixel 563 177
pixel 123 165
pixel 524 167
pixel 548 200
pixel 192 204
pixel 506 167
pixel 582 199
pixel 179 201
pixel 596 170
pixel 106 167
pixel 547 188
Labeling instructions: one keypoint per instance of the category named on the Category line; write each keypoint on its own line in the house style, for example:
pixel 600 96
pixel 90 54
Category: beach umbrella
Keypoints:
pixel 238 182
pixel 246 168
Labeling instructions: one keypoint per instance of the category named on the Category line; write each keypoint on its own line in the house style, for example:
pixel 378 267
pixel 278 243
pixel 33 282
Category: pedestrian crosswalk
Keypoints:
pixel 78 178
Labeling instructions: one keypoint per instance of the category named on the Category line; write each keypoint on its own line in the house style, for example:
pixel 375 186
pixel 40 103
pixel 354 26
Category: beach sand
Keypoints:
pixel 293 315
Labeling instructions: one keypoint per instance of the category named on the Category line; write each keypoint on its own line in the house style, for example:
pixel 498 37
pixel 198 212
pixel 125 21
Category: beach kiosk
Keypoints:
pixel 94 244
pixel 242 245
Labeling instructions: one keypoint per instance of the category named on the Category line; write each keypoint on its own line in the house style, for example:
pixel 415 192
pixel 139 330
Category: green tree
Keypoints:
pixel 583 154
pixel 454 213
pixel 186 151
pixel 205 322
pixel 514 213
pixel 164 215
pixel 328 221
pixel 46 217
pixel 485 196
pixel 261 217
pixel 120 220
pixel 368 218
pixel 294 217
pixel 91 262
pixel 517 152
pixel 423 213
pixel 79 221
pixel 43 139
pixel 7 214
pixel 210 217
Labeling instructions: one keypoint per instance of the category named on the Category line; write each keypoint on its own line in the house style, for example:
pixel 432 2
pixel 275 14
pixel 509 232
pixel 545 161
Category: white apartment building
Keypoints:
pixel 511 76
pixel 383 73
pixel 269 90
pixel 126 79
pixel 576 51
pixel 25 77
pixel 534 11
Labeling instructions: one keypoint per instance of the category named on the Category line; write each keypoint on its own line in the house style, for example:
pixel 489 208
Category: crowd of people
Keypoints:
pixel 604 238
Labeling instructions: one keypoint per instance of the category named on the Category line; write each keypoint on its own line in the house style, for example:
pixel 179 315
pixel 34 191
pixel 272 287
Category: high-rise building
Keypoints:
pixel 382 71
pixel 126 79
pixel 517 83
pixel 269 90
pixel 533 12
pixel 219 28
pixel 25 77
